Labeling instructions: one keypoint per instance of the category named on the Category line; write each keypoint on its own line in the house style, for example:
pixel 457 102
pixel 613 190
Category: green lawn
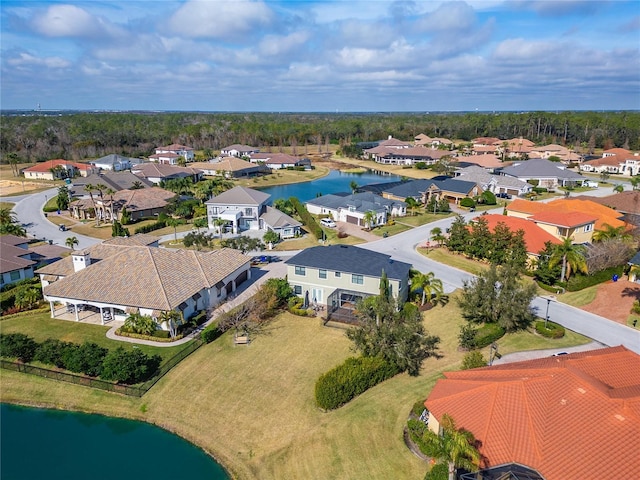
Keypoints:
pixel 8 205
pixel 579 298
pixel 442 255
pixel 39 325
pixel 253 406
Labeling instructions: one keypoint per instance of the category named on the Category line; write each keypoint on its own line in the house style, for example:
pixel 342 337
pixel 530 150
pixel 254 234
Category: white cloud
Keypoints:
pixel 27 60
pixel 275 45
pixel 71 21
pixel 451 16
pixel 222 20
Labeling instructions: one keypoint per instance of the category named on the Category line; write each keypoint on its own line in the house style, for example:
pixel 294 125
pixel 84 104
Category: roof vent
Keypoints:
pixel 582 390
pixel 619 417
pixel 563 402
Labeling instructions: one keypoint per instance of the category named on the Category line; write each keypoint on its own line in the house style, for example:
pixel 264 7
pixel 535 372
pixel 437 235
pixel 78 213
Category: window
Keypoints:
pixel 248 212
pixel 300 271
pixel 322 274
pixel 357 279
pixel 588 228
pixel 297 289
pixel 14 275
pixel 338 274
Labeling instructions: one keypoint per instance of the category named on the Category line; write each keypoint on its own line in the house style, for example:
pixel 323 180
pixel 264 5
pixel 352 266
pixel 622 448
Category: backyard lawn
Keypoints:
pixel 253 406
pixel 283 177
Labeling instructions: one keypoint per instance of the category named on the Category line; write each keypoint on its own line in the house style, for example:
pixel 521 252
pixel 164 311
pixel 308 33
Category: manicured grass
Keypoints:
pixel 8 205
pixel 39 325
pixel 394 229
pixel 442 255
pixel 310 241
pixel 253 406
pixel 283 177
pixel 579 298
pixel 103 232
pixel 422 219
pixel 633 317
pixel 395 169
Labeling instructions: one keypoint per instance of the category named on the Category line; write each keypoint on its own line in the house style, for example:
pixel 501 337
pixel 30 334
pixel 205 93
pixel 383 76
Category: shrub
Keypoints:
pixel 417 429
pixel 539 189
pixel 467 202
pixel 467 337
pixel 52 352
pixel 7 300
pixel 129 366
pixel 353 377
pixel 473 359
pixel 307 218
pixel 636 307
pixel 210 333
pixel 418 408
pixel 18 345
pixel 552 330
pixel 151 227
pixel 580 282
pixel 440 471
pixel 86 358
pixel 488 198
pixel 488 333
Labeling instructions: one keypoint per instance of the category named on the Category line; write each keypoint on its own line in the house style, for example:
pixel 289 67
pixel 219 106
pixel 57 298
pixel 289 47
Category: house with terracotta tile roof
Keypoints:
pixel 535 236
pixel 626 203
pixel 574 416
pixel 577 226
pixel 16 259
pixel 58 169
pixel 489 161
pixel 116 279
pixel 140 203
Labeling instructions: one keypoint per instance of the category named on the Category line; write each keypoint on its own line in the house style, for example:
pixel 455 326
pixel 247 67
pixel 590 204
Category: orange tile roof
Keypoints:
pixel 602 214
pixel 49 164
pixel 534 236
pixel 568 417
pixel 564 219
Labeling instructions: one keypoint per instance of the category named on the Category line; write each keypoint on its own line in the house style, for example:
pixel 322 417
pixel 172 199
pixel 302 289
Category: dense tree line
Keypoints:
pixel 89 135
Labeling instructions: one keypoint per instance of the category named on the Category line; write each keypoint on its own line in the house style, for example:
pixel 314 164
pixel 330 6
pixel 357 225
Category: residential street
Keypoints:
pixel 401 247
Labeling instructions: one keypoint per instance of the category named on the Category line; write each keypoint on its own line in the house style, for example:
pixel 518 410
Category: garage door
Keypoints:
pixel 241 278
pixel 353 220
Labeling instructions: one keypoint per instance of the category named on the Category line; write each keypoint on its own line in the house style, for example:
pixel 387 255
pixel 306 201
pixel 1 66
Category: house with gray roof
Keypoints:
pixel 16 261
pixel 548 174
pixel 352 208
pixel 494 183
pixel 114 280
pixel 279 222
pixel 336 277
pixel 115 162
pixel 421 190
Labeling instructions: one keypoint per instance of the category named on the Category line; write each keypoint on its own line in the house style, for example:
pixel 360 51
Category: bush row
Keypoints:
pixel 151 227
pixel 157 336
pixel 552 330
pixel 307 218
pixel 353 377
pixel 467 202
pixel 580 282
pixel 89 358
pixel 487 334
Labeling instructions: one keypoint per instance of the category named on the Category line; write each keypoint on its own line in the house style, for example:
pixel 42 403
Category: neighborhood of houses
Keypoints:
pixel 521 412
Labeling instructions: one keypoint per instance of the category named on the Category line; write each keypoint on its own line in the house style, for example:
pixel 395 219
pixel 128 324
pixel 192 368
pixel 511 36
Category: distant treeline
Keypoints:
pixel 91 135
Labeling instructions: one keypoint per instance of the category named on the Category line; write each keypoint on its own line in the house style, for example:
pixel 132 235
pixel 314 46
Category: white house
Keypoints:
pixel 171 154
pixel 353 208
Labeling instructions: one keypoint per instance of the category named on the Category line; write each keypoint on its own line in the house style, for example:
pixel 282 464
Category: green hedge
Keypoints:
pixel 151 227
pixel 580 282
pixel 440 471
pixel 210 333
pixel 553 330
pixel 467 202
pixel 158 335
pixel 307 218
pixel 548 288
pixel 487 334
pixel 353 377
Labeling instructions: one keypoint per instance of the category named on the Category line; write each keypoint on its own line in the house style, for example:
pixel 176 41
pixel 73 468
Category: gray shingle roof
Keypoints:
pixel 540 167
pixel 277 219
pixel 350 259
pixel 363 201
pixel 240 196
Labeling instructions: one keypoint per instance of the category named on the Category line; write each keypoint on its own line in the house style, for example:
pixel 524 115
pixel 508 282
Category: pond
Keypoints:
pixel 335 182
pixel 51 444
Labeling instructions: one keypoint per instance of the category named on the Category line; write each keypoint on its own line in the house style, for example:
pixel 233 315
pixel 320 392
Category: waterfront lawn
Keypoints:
pixel 253 405
pixel 39 325
pixel 283 177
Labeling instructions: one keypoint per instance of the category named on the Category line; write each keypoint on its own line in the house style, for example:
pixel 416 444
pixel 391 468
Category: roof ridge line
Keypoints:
pixel 155 267
pixel 204 275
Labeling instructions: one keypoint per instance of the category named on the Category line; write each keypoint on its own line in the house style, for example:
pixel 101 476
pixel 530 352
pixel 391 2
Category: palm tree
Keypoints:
pixel 137 185
pixel 174 222
pixel 9 223
pixel 571 256
pixel 437 236
pixel 101 188
pixel 369 218
pixel 456 447
pixel 90 188
pixel 412 203
pixel 71 242
pixel 354 186
pixel 200 223
pixel 610 233
pixel 427 283
pixel 219 223
pixel 110 192
pixel 173 320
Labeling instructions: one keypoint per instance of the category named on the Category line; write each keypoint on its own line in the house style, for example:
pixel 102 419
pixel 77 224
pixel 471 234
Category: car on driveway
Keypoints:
pixel 327 222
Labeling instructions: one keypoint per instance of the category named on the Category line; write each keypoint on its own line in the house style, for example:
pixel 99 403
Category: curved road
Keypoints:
pixel 401 247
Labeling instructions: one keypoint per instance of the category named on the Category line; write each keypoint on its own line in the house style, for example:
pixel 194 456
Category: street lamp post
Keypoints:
pixel 549 299
pixel 493 353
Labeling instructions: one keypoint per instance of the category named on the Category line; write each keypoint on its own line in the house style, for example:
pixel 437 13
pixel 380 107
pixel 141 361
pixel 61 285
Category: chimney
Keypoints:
pixel 390 137
pixel 80 260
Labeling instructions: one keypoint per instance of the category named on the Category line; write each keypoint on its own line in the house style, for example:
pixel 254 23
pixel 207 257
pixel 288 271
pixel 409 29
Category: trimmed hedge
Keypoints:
pixel 467 202
pixel 440 471
pixel 151 227
pixel 210 333
pixel 307 218
pixel 580 282
pixel 487 334
pixel 158 335
pixel 353 377
pixel 553 330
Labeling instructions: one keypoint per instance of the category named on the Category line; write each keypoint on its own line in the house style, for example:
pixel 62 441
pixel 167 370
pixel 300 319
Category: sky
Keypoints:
pixel 320 56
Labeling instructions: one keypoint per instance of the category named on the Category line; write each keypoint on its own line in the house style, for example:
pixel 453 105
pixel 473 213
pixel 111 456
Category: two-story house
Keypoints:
pixel 338 276
pixel 171 154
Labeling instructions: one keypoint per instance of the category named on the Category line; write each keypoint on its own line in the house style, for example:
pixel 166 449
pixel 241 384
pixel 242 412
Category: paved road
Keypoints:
pixel 401 247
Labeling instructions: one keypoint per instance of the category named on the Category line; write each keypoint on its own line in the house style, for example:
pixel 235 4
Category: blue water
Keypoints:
pixel 335 182
pixel 49 445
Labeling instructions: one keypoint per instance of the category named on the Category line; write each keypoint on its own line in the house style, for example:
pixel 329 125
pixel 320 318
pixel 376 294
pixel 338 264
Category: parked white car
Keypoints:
pixel 327 222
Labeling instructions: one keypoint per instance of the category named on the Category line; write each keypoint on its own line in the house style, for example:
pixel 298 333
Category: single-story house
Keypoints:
pixel 140 203
pixel 421 190
pixel 277 161
pixel 16 259
pixel 352 208
pixel 494 183
pixel 114 180
pixel 553 418
pixel 230 167
pixel 238 150
pixel 279 222
pixel 124 277
pixel 157 173
pixel 406 156
pixel 337 276
pixel 59 168
pixel 548 174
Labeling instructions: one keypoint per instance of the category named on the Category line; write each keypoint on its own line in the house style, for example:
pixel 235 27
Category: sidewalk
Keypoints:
pixel 258 276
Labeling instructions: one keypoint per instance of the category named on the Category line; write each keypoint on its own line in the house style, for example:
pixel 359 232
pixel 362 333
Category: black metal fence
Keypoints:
pixel 130 390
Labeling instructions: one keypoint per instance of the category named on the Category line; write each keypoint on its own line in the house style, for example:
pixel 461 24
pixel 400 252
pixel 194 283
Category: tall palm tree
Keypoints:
pixel 90 188
pixel 610 233
pixel 71 242
pixel 219 223
pixel 101 188
pixel 437 235
pixel 9 223
pixel 173 320
pixel 572 258
pixel 200 223
pixel 368 218
pixel 174 222
pixel 427 283
pixel 455 447
pixel 110 192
